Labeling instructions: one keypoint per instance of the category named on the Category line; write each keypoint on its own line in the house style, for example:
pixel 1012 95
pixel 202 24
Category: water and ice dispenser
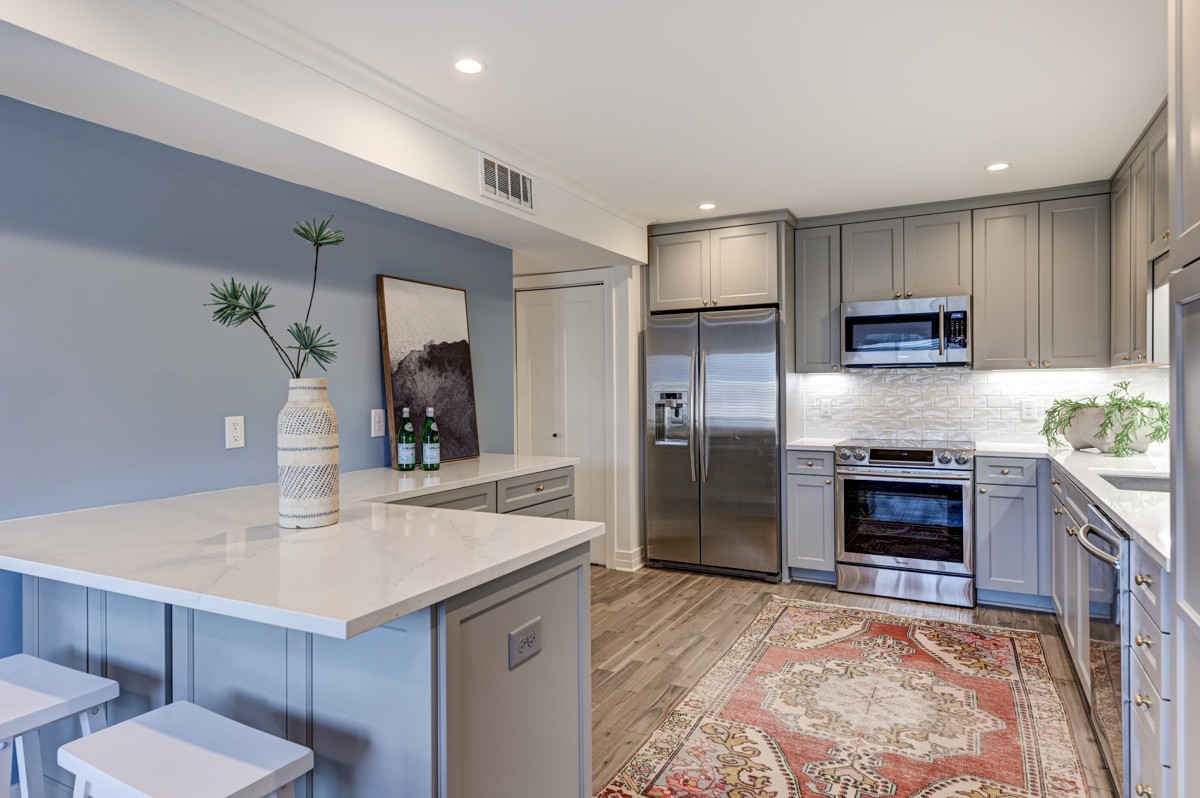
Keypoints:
pixel 672 418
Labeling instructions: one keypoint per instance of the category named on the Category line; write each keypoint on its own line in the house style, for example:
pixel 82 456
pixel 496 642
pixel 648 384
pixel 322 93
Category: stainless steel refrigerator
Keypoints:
pixel 712 441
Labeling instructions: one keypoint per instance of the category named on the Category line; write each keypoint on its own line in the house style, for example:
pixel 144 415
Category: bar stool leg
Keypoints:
pixel 93 720
pixel 29 765
pixel 6 761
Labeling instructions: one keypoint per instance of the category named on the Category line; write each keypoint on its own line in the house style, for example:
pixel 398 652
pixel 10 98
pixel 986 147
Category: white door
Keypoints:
pixel 560 389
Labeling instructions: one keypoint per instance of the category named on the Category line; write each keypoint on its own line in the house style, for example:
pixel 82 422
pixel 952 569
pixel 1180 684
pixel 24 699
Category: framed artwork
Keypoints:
pixel 427 361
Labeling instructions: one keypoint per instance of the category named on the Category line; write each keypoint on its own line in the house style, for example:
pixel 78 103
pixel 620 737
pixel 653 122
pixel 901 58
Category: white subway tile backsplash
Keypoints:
pixel 984 404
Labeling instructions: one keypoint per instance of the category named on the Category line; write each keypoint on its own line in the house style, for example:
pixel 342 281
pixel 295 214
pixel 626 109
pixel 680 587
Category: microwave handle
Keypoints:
pixel 941 330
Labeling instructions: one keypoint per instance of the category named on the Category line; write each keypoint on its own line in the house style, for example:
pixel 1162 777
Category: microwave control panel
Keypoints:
pixel 956 329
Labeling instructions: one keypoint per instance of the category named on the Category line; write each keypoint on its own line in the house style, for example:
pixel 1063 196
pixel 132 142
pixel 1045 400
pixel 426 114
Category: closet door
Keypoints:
pixel 560 389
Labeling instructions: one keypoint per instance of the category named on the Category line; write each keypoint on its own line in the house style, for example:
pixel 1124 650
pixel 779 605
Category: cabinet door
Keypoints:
pixel 745 265
pixel 1006 539
pixel 818 299
pixel 937 254
pixel 1139 260
pixel 1005 302
pixel 1074 276
pixel 1183 134
pixel 1158 238
pixel 810 503
pixel 679 271
pixel 873 260
pixel 1121 281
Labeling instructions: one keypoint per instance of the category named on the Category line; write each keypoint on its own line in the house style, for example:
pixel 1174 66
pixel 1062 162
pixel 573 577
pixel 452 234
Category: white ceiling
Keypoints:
pixel 816 106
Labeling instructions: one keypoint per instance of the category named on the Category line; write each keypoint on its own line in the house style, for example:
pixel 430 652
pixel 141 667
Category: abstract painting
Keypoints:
pixel 427 361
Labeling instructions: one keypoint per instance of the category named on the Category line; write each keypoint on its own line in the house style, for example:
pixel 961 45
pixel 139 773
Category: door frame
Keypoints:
pixel 622 311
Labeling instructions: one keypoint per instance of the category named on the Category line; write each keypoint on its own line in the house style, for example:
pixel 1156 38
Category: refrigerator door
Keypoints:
pixel 672 481
pixel 738 441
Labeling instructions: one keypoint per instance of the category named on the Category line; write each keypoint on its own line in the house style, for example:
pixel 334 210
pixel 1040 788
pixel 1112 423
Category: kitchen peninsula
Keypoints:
pixel 384 642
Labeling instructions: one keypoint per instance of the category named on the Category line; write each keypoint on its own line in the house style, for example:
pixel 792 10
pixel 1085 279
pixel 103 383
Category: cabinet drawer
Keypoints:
pixel 1151 585
pixel 1005 471
pixel 810 461
pixel 559 508
pixel 1145 769
pixel 517 492
pixel 1147 715
pixel 1150 647
pixel 479 498
pixel 1070 494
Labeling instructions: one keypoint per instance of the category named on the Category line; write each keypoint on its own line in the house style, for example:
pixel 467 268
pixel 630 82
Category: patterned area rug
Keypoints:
pixel 818 700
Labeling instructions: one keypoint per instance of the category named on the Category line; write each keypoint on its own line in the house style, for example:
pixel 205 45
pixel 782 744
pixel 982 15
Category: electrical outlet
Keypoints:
pixel 1028 409
pixel 235 432
pixel 524 642
pixel 378 427
pixel 826 408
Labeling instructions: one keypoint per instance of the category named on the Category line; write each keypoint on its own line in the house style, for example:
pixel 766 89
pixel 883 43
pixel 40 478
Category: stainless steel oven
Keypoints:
pixel 905 520
pixel 907 332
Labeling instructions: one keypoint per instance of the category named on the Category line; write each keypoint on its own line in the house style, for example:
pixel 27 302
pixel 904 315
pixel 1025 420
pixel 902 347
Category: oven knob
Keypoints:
pixel 961 458
pixel 944 458
pixel 860 455
pixel 843 454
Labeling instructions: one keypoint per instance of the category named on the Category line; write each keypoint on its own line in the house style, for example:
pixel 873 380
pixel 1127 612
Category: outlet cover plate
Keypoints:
pixel 378 427
pixel 1028 409
pixel 235 432
pixel 826 408
pixel 524 642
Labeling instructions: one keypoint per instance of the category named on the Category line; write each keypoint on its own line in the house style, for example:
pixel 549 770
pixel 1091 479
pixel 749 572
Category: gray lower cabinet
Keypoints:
pixel 525 493
pixel 1042 285
pixel 818 299
pixel 811 512
pixel 1010 547
pixel 725 267
pixel 425 705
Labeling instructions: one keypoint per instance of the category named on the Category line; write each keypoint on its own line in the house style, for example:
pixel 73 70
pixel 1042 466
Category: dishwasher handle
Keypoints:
pixel 1094 550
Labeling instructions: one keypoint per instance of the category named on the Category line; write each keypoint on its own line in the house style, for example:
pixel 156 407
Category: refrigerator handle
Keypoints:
pixel 692 411
pixel 703 426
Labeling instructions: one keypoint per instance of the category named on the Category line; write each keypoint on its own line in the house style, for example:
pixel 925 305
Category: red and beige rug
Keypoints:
pixel 818 700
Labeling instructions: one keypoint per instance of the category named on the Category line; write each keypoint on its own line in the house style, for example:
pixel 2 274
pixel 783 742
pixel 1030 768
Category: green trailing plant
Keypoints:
pixel 236 303
pixel 1125 415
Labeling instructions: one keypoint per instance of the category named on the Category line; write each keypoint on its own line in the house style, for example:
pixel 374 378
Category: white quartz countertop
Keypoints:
pixel 813 443
pixel 222 551
pixel 389 485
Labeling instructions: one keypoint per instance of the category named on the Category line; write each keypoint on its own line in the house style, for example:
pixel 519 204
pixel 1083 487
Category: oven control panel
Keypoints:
pixel 954 456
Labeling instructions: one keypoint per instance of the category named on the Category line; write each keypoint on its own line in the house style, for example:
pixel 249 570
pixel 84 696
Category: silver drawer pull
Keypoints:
pixel 1142 791
pixel 1142 640
pixel 1140 700
pixel 540 487
pixel 1142 580
pixel 1004 471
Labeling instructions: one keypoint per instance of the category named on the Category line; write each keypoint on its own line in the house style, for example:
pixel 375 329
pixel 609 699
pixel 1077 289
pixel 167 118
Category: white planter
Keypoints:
pixel 307 445
pixel 1084 432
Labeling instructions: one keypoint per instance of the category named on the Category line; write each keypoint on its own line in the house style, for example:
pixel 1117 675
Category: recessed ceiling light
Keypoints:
pixel 998 167
pixel 707 206
pixel 469 66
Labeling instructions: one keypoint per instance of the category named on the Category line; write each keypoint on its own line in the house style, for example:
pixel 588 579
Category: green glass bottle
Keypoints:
pixel 406 443
pixel 431 443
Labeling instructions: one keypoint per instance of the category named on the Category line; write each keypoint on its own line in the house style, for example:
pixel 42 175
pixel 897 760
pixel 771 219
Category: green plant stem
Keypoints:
pixel 278 349
pixel 311 294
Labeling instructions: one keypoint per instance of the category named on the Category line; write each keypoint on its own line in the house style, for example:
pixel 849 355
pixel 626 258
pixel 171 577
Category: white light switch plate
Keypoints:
pixel 235 432
pixel 378 425
pixel 826 408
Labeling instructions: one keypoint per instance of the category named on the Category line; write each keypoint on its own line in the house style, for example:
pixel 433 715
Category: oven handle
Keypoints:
pixel 953 476
pixel 1096 551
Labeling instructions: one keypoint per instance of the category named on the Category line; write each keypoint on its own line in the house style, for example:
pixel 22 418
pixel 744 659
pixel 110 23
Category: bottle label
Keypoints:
pixel 433 426
pixel 406 453
pixel 431 453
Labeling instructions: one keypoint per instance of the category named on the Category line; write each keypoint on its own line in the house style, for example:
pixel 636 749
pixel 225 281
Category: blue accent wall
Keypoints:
pixel 114 381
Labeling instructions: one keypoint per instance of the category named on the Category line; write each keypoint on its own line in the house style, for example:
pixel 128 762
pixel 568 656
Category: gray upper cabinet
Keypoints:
pixel 1160 197
pixel 1074 276
pixel 1141 212
pixel 937 255
pixel 919 256
pixel 727 267
pixel 679 271
pixel 1122 271
pixel 1183 130
pixel 1005 301
pixel 873 260
pixel 818 295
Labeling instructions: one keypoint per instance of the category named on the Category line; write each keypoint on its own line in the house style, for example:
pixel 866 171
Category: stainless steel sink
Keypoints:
pixel 1157 484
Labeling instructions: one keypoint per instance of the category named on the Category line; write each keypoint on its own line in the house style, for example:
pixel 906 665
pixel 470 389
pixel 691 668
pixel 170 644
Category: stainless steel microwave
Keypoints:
pixel 907 332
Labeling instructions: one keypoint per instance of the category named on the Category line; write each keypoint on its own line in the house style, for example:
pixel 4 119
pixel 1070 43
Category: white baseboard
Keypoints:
pixel 632 560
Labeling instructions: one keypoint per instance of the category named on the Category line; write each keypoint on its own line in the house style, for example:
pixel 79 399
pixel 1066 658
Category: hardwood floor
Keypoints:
pixel 656 632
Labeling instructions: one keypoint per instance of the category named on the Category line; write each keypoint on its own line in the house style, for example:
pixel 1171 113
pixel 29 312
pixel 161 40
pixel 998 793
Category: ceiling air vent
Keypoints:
pixel 505 184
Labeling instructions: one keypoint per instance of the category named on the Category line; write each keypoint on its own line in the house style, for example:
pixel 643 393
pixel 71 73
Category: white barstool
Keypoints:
pixel 33 693
pixel 183 751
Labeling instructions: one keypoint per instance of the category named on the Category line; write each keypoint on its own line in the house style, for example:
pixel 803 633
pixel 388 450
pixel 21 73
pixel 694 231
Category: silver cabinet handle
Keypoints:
pixel 1140 700
pixel 1092 549
pixel 1142 640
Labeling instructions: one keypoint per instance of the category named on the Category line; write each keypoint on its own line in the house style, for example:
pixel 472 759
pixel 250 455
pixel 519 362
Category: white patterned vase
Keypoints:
pixel 307 445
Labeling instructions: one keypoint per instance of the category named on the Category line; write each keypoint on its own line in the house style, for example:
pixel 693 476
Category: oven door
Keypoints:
pixel 912 520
